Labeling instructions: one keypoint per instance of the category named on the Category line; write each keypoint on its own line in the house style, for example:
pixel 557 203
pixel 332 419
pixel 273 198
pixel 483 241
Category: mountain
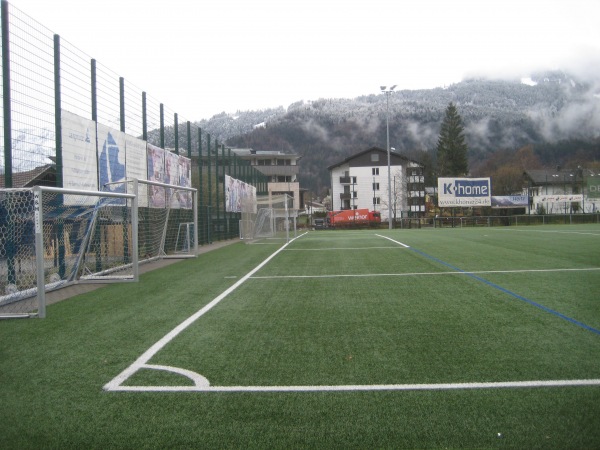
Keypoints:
pixel 555 112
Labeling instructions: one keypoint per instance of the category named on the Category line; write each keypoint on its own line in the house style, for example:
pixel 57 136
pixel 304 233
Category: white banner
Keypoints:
pixel 562 198
pixel 80 169
pixel 135 158
pixel 464 192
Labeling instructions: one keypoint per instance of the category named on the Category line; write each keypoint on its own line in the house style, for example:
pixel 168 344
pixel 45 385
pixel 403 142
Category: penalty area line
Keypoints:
pixel 393 240
pixel 116 383
pixel 368 387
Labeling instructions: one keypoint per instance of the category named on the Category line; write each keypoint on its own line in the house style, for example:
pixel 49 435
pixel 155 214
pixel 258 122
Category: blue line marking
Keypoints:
pixel 506 291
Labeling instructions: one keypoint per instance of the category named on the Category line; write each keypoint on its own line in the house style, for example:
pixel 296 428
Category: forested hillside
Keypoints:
pixel 554 115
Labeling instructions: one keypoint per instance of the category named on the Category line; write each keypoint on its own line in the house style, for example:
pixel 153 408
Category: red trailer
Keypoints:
pixel 353 218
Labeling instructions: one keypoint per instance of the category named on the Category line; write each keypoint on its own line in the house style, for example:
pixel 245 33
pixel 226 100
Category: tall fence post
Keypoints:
pixel 144 118
pixel 209 176
pixel 58 113
pixel 176 132
pixel 122 103
pixel 6 101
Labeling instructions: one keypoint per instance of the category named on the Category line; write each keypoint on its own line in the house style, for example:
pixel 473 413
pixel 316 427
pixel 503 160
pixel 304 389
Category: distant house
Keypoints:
pixel 40 176
pixel 361 181
pixel 314 207
pixel 562 191
pixel 281 170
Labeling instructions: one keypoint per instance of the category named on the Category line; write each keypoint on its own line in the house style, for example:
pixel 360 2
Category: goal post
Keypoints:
pixel 53 237
pixel 272 218
pixel 167 218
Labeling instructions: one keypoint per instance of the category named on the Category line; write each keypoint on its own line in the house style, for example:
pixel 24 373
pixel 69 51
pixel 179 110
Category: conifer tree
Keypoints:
pixel 451 146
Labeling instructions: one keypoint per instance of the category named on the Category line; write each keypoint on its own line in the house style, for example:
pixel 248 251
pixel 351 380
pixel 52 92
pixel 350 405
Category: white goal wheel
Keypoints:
pixel 54 278
pixel 11 289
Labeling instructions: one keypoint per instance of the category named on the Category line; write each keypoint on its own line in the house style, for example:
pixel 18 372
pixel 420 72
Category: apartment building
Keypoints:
pixel 361 181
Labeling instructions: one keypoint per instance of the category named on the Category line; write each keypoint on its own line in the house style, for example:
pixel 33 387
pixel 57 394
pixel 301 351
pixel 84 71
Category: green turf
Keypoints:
pixel 400 317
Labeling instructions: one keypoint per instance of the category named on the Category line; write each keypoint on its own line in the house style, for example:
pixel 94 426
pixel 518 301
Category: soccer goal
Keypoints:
pixel 52 237
pixel 271 218
pixel 167 218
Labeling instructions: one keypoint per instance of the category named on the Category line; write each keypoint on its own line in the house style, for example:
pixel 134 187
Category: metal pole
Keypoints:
pixel 6 100
pixel 387 124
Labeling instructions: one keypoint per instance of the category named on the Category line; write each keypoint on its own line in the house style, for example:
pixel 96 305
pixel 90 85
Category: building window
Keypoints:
pixel 353 180
pixel 374 157
pixel 375 186
pixel 375 170
pixel 376 201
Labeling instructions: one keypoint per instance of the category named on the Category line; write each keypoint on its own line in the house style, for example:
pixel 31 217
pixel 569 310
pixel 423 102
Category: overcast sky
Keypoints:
pixel 203 57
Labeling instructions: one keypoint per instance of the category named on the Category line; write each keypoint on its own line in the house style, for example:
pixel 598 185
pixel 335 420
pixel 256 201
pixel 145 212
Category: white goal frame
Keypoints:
pixel 92 210
pixel 170 240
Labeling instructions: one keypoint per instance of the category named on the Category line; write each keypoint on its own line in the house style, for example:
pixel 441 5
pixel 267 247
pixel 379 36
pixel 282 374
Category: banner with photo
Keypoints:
pixel 509 201
pixel 184 173
pixel 239 196
pixel 80 166
pixel 464 192
pixel 156 172
pixel 111 159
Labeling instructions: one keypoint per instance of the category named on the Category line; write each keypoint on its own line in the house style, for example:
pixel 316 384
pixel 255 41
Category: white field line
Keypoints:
pixel 393 240
pixel 414 274
pixel 339 248
pixel 144 358
pixel 201 384
pixel 366 387
pixel 588 233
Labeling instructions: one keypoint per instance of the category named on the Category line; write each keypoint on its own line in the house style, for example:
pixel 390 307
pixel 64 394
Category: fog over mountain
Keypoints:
pixel 556 112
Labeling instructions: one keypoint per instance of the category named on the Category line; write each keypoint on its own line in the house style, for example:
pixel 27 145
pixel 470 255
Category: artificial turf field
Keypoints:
pixel 452 338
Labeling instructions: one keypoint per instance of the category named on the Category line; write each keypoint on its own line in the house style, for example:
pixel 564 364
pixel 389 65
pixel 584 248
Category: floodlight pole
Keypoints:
pixel 388 91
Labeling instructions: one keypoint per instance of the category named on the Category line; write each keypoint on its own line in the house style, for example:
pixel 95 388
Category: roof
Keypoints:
pixel 241 152
pixel 558 175
pixel 393 157
pixel 40 176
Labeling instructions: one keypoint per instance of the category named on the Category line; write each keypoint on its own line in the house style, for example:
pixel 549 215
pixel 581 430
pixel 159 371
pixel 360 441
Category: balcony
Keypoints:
pixel 345 180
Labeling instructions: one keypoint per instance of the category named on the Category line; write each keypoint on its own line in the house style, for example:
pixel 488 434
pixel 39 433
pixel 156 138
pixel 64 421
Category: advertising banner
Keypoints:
pixel 559 198
pixel 156 172
pixel 509 201
pixel 80 166
pixel 184 171
pixel 111 159
pixel 464 192
pixel 239 196
pixel 135 158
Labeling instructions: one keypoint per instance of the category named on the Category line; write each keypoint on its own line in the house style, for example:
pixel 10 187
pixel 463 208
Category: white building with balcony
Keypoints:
pixel 281 170
pixel 361 181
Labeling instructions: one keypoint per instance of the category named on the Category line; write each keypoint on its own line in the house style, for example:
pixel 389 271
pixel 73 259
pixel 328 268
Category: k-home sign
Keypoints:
pixel 464 192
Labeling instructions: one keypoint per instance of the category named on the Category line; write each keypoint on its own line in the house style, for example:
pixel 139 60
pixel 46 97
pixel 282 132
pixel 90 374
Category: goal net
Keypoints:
pixel 167 219
pixel 271 218
pixel 51 237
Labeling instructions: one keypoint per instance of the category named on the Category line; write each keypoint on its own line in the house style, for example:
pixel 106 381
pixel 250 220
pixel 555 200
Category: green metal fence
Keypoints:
pixel 43 75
